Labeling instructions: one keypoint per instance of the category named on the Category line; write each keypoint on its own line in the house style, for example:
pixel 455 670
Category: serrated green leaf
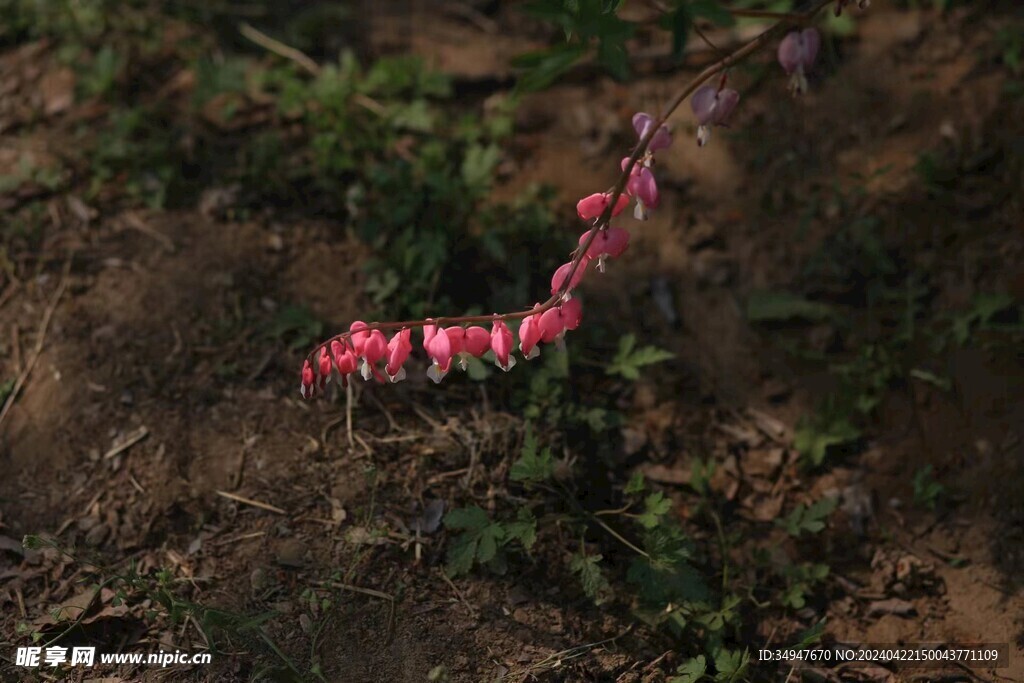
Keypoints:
pixel 594 583
pixel 523 529
pixel 532 466
pixel 470 518
pixel 655 507
pixel 808 519
pixel 629 359
pixel 731 665
pixel 461 555
pixel 636 484
pixel 691 671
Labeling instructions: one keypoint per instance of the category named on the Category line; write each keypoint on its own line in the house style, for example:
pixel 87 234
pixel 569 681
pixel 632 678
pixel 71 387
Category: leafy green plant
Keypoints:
pixel 815 436
pixel 534 464
pixel 800 581
pixel 808 519
pixel 927 491
pixel 482 540
pixel 294 325
pixel 592 579
pixel 630 358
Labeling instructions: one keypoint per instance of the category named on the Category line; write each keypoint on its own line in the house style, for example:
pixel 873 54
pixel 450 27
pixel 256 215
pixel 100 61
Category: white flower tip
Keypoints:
pixel 435 373
pixel 534 352
pixel 397 377
pixel 640 211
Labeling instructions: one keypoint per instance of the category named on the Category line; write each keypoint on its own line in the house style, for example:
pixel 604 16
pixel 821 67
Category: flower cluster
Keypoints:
pixel 364 348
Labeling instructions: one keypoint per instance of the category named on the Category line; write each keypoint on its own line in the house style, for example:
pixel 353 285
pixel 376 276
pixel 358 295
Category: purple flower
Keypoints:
pixel 797 53
pixel 643 122
pixel 712 107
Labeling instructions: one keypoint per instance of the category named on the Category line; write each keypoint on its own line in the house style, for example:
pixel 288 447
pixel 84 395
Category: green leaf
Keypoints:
pixel 636 484
pixel 655 507
pixel 629 359
pixel 933 379
pixel 808 519
pixel 532 466
pixel 479 164
pixel 731 665
pixel 594 583
pixel 811 635
pixel 813 438
pixel 524 529
pixel 478 543
pixel 296 323
pixel 691 671
pixel 772 306
pixel 986 305
pixel 542 68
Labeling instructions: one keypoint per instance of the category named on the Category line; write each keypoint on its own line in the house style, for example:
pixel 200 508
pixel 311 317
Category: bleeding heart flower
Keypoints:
pixel 344 360
pixel 325 367
pixel 374 349
pixel 501 342
pixel 643 188
pixel 797 53
pixel 591 207
pixel 358 338
pixel 712 107
pixel 306 384
pixel 560 276
pixel 399 349
pixel 643 122
pixel 476 343
pixel 438 345
pixel 555 321
pixel 529 335
pixel 608 243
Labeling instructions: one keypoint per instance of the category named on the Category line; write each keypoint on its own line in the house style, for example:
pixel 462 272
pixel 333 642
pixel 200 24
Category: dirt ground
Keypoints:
pixel 126 444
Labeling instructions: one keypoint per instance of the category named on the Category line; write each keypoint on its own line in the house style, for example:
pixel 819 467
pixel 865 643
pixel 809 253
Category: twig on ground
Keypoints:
pixel 130 440
pixel 279 48
pixel 37 351
pixel 249 501
pixel 458 593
